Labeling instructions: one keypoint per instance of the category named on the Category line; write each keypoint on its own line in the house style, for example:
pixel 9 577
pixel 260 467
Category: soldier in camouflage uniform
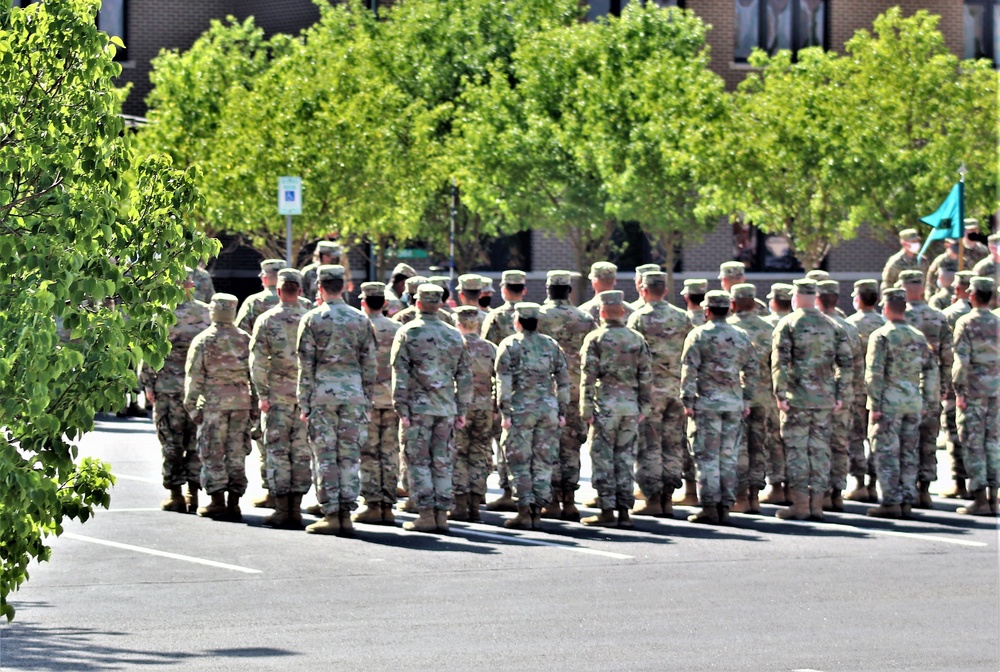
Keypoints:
pixel 843 419
pixel 945 294
pixel 568 325
pixel 934 326
pixel 811 372
pixel 946 261
pixel 431 390
pixel 905 259
pixel 974 250
pixel 533 389
pixel 500 322
pixel 217 397
pixel 615 395
pixel 325 253
pixel 780 303
pixel 165 391
pixel 990 266
pixel 961 306
pixel 444 282
pixel 976 376
pixel 603 277
pixel 337 369
pixel 474 441
pixel 901 376
pixel 866 319
pixel 780 298
pixel 470 287
pixel 393 294
pixel 694 295
pixel 753 449
pixel 640 271
pixel 486 296
pixel 274 369
pixel 718 383
pixel 204 288
pixel 662 442
pixel 732 273
pixel 411 313
pixel 380 454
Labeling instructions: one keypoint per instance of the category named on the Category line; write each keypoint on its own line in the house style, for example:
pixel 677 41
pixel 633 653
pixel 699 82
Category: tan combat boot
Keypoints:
pixel 461 510
pixel 328 524
pixel 606 518
pixel 216 508
pixel 667 503
pixel 959 491
pixel 653 506
pixel 799 509
pixel 991 497
pixel 315 510
pixel 709 515
pixel 906 511
pixel 872 489
pixel 441 520
pixel 424 522
pixel 638 494
pixel 388 514
pixel 690 497
pixel 522 521
pixel 836 501
pixel 233 513
pixel 886 511
pixel 569 510
pixel 723 513
pixel 175 502
pixel 923 496
pixel 536 517
pixel 754 501
pixel 775 494
pixel 827 501
pixel 551 510
pixel 192 497
pixel 346 524
pixel 980 505
pixel 265 502
pixel 593 503
pixel 816 505
pixel 402 492
pixel 408 506
pixel 504 503
pixel 742 503
pixel 294 512
pixel 280 516
pixel 623 518
pixel 860 492
pixel 475 501
pixel 371 515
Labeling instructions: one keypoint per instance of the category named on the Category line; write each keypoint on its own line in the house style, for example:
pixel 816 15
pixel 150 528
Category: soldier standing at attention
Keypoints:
pixel 934 326
pixel 486 295
pixel 753 449
pixel 904 260
pixel 780 299
pixel 410 312
pixel 945 294
pixel 662 443
pixel 976 375
pixel 615 395
pixel 568 325
pixel 603 277
pixel 732 273
pixel 326 253
pixel 961 306
pixel 810 367
pixel 470 287
pixel 500 322
pixel 990 266
pixel 974 250
pixel 639 272
pixel 948 261
pixel 780 303
pixel 474 441
pixel 165 391
pixel 217 397
pixel 866 319
pixel 532 394
pixel 444 282
pixel 337 368
pixel 380 454
pixel 694 294
pixel 901 376
pixel 393 294
pixel 718 383
pixel 204 288
pixel 431 391
pixel 274 369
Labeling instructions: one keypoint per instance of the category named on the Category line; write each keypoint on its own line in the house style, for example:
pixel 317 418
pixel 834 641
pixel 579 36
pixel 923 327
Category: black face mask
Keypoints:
pixel 484 301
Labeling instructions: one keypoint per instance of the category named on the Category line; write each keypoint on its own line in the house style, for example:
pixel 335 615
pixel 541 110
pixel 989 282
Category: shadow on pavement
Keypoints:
pixel 422 541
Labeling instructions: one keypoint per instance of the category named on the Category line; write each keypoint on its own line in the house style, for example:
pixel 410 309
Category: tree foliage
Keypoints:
pixel 92 265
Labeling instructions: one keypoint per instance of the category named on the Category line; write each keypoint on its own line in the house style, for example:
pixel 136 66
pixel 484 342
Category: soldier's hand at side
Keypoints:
pixel 641 417
pixel 506 422
pixel 303 417
pixel 689 412
pixel 746 410
pixel 875 416
pixel 404 422
pixel 562 420
pixel 839 405
pixel 150 397
pixel 960 402
pixel 264 405
pixel 589 420
pixel 783 405
pixel 460 422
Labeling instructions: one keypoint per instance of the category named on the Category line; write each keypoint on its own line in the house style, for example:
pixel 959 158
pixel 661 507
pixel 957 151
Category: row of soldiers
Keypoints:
pixel 711 399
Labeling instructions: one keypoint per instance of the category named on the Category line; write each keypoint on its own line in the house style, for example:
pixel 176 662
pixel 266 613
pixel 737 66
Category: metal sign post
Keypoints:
pixel 289 203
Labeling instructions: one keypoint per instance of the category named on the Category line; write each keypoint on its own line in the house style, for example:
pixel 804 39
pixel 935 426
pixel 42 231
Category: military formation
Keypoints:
pixel 723 404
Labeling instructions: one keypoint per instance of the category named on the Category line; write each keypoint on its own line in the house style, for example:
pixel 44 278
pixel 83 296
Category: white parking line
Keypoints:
pixel 537 542
pixel 161 554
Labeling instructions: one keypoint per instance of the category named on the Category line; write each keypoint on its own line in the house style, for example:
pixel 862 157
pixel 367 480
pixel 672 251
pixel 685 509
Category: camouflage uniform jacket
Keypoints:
pixel 593 308
pixel 898 263
pixel 616 372
pixel 664 327
pixel 857 389
pixel 973 255
pixel 257 304
pixel 431 369
pixel 720 368
pixel 411 313
pixel 217 370
pixel 976 371
pixel 774 318
pixel 568 325
pixel 811 360
pixel 901 374
pixel 944 261
pixel 531 375
pixel 866 322
pixel 192 319
pixel 385 333
pixel 393 303
pixel 696 317
pixel 760 333
pixel 204 288
pixel 988 268
pixel 274 365
pixel 499 324
pixel 337 357
pixel 309 276
pixel 483 355
pixel 942 299
pixel 956 310
pixel 934 326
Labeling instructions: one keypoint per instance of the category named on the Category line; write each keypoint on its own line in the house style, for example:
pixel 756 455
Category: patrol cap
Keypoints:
pixel 911 277
pixel 994 239
pixel 781 291
pixel 744 290
pixel 430 293
pixel 467 313
pixel 805 286
pixel 330 272
pixel 470 282
pixel 865 286
pixel 694 286
pixel 983 283
pixel 717 299
pixel 272 266
pixel 603 270
pixel 893 294
pixel 289 275
pixel 223 308
pixel 403 269
pixel 817 275
pixel 642 270
pixel 654 279
pixel 612 297
pixel 514 278
pixel 441 281
pixel 413 282
pixel 328 247
pixel 527 310
pixel 964 278
pixel 732 269
pixel 909 236
pixel 372 289
pixel 487 285
pixel 971 224
pixel 559 279
pixel 949 264
pixel 828 287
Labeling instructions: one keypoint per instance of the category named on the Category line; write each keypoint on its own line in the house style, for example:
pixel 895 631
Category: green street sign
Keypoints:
pixel 411 254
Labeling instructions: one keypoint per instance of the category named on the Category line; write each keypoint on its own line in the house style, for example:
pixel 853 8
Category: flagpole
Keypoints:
pixel 961 215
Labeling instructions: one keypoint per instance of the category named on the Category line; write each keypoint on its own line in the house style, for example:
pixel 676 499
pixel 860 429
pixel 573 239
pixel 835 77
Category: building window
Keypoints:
pixel 773 25
pixel 981 29
pixel 112 18
pixel 764 252
pixel 599 8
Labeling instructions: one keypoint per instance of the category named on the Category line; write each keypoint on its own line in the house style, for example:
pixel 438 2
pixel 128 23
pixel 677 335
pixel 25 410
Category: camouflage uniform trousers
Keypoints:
pixel 286 451
pixel 222 447
pixel 613 440
pixel 566 470
pixel 716 437
pixel 930 427
pixel 531 447
pixel 950 423
pixel 177 433
pixel 473 453
pixel 806 435
pixel 336 435
pixel 380 458
pixel 979 431
pixel 861 463
pixel 751 466
pixel 840 440
pixel 661 447
pixel 427 450
pixel 895 439
pixel 776 462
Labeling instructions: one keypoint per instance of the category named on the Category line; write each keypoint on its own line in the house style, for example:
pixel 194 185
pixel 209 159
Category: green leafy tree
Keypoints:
pixel 92 267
